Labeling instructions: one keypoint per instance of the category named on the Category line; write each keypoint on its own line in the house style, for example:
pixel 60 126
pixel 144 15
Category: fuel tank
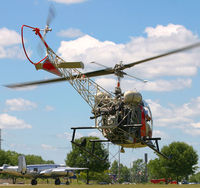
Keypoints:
pixel 132 97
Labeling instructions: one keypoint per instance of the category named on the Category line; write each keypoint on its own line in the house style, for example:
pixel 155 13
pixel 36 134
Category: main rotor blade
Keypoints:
pixel 39 82
pixel 162 55
pixel 53 80
pixel 102 72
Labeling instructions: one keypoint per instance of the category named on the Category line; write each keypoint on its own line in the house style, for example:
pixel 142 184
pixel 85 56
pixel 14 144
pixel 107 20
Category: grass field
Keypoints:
pixel 104 186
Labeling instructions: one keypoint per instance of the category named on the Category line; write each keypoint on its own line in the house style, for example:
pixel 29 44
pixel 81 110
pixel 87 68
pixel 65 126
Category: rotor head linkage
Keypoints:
pixel 46 30
pixel 118 70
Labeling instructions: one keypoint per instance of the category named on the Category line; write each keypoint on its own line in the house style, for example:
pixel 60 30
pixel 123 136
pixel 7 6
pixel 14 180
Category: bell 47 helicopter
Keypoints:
pixel 123 118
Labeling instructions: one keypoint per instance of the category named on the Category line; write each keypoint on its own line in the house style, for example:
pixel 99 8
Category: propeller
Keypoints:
pixel 50 18
pixel 117 70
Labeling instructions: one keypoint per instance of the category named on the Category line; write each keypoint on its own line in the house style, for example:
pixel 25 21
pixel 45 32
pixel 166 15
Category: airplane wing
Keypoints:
pixel 60 171
pixel 74 168
pixel 10 170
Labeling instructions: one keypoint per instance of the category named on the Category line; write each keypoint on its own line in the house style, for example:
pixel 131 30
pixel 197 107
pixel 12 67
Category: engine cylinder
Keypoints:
pixel 102 98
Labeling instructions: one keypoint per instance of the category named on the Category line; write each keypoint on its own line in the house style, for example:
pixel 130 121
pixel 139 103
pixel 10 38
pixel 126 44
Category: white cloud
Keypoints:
pixel 70 33
pixel 165 85
pixel 11 122
pixel 48 147
pixel 157 85
pixel 193 132
pixel 69 1
pixel 16 146
pixel 9 37
pixel 68 136
pixel 107 83
pixel 191 108
pixel 170 30
pixel 184 117
pixel 49 108
pixel 196 125
pixel 87 49
pixel 9 44
pixel 20 104
pixel 158 133
pixel 96 134
pixel 158 40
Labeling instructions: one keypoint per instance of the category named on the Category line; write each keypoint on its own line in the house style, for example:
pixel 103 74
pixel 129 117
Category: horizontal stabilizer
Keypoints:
pixel 70 65
pixel 63 65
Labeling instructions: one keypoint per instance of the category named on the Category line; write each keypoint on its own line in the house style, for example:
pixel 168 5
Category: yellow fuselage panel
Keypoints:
pixel 134 145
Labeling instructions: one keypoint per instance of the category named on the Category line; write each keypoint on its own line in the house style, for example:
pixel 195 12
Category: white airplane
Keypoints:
pixel 38 171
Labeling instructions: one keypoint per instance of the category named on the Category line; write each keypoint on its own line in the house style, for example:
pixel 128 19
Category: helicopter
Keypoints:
pixel 123 118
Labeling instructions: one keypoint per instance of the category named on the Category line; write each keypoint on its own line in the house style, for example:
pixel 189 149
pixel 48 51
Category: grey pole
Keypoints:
pixel 0 139
pixel 146 170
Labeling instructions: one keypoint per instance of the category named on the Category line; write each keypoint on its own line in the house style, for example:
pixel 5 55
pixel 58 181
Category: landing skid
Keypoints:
pixel 154 146
pixel 150 142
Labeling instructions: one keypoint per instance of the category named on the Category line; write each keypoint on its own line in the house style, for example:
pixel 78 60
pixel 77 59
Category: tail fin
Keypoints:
pixel 22 164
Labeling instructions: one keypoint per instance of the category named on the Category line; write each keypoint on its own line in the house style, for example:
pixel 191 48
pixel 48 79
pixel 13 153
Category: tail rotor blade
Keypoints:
pixel 51 15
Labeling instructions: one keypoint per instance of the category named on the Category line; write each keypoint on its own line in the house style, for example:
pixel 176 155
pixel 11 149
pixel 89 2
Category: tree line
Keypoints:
pixel 182 164
pixel 11 158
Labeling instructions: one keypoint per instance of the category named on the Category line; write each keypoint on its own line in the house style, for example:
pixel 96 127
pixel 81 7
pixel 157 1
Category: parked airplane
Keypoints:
pixel 38 171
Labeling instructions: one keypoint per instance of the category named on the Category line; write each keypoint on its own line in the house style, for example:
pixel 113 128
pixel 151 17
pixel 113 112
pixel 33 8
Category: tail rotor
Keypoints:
pixel 50 18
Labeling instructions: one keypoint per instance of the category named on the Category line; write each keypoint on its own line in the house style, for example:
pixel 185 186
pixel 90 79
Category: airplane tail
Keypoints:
pixel 22 164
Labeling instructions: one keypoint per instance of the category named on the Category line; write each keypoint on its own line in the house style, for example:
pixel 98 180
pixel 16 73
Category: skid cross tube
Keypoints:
pixel 74 131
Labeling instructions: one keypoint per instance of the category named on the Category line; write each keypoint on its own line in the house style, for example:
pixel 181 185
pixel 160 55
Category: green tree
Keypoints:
pixel 180 166
pixel 195 178
pixel 11 158
pixel 114 168
pixel 124 172
pixel 79 158
pixel 34 159
pixel 156 170
pixel 138 171
pixel 3 158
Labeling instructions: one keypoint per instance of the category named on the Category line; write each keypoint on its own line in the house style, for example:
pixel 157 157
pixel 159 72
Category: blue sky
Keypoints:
pixel 38 120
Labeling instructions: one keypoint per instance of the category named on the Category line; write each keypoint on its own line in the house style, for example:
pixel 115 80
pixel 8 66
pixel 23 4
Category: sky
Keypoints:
pixel 38 120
